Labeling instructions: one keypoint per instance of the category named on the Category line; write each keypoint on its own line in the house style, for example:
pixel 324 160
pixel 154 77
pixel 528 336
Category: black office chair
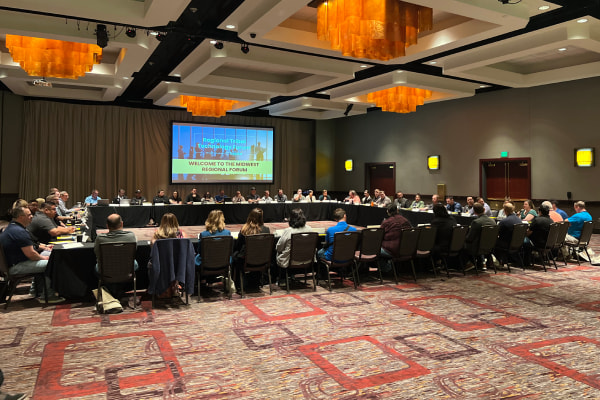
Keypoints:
pixel 584 241
pixel 302 256
pixel 425 244
pixel 216 260
pixel 561 240
pixel 258 257
pixel 545 250
pixel 514 249
pixel 344 250
pixel 457 243
pixel 369 251
pixel 409 241
pixel 13 280
pixel 116 265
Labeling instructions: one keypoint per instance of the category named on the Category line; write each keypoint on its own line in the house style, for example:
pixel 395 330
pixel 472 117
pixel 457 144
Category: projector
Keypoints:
pixel 42 82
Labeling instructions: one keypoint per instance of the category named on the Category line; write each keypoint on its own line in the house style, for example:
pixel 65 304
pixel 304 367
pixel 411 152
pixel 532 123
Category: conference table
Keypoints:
pixel 71 266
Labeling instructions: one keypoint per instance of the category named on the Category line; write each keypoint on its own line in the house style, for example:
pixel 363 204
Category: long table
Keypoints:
pixel 190 215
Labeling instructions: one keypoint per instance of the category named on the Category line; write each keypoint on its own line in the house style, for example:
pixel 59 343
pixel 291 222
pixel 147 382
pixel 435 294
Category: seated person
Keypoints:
pixel 486 208
pixel 121 195
pixel 400 201
pixel 297 225
pixel 444 223
pixel 417 203
pixel 115 234
pixel 61 207
pixel 267 197
pixel 382 200
pixel 554 216
pixel 168 228
pixel 310 197
pixel 324 196
pixel 576 222
pixel 501 215
pixel 253 197
pixel 452 206
pixel 435 199
pixel 207 198
pixel 366 197
pixel 43 228
pixel 215 226
pixel 468 209
pixel 352 198
pixel 193 197
pixel 60 218
pixel 558 210
pixel 238 198
pixel 161 197
pixel 537 233
pixel 220 198
pixel 92 199
pixel 137 199
pixel 280 197
pixel 254 226
pixel 175 198
pixel 298 196
pixel 474 234
pixel 392 233
pixel 339 215
pixel 21 256
pixel 506 225
pixel 528 212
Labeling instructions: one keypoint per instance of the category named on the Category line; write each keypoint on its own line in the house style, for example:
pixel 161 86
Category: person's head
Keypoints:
pixel 207 195
pixel 64 196
pixel 480 200
pixel 253 190
pixel 399 195
pixel 53 197
pixel 376 192
pixel 352 193
pixel 52 190
pixel 299 191
pixel 508 208
pixel 161 193
pixel 435 199
pixel 95 193
pixel 138 194
pixel 310 193
pixel 381 194
pixel 528 205
pixel 392 210
pixel 114 222
pixel 22 215
pixel 222 192
pixel 254 222
pixel 175 194
pixel 215 221
pixel 470 201
pixel 238 193
pixel 579 206
pixel 121 192
pixel 280 192
pixel 33 206
pixel 545 210
pixel 547 204
pixel 366 193
pixel 19 203
pixel 49 208
pixel 417 197
pixel 478 208
pixel 324 192
pixel 267 193
pixel 450 200
pixel 168 228
pixel 339 214
pixel 297 218
pixel 439 210
pixel 194 191
pixel 554 204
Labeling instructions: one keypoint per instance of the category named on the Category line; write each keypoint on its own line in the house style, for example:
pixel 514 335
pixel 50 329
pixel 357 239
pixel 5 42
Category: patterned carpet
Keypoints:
pixel 529 334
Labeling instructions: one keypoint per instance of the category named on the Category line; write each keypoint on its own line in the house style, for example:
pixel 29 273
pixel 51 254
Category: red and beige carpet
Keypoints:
pixel 528 334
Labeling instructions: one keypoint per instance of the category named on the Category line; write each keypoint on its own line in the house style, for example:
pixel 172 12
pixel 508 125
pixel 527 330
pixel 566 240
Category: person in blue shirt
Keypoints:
pixel 558 210
pixel 453 206
pixel 215 226
pixel 577 220
pixel 339 215
pixel 92 199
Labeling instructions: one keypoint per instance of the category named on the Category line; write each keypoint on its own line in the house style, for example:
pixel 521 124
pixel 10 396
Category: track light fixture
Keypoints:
pixel 101 35
pixel 245 49
pixel 219 45
pixel 160 36
pixel 130 32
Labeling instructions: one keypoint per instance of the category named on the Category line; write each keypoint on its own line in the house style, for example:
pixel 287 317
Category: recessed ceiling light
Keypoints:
pixel 323 92
pixel 154 33
pixel 230 26
pixel 582 21
pixel 213 42
pixel 484 86
pixel 562 49
pixel 543 8
pixel 432 62
pixel 364 66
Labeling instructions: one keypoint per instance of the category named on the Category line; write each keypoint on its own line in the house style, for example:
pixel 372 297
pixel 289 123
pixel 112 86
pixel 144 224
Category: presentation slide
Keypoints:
pixel 207 153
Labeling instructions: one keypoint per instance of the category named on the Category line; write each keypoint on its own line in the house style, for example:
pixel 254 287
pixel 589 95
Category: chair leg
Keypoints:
pixel 412 265
pixel 379 270
pixel 12 285
pixel 587 254
pixel 242 282
pixel 394 269
pixel 314 278
pixel 199 294
pixel 328 277
pixel 270 285
pixel 287 280
pixel 357 281
pixel 445 262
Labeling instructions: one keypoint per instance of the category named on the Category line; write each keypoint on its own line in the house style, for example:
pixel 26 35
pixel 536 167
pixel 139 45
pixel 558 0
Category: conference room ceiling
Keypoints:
pixel 474 46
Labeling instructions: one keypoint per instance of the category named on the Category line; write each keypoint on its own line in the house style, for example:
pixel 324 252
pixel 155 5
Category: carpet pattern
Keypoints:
pixel 528 334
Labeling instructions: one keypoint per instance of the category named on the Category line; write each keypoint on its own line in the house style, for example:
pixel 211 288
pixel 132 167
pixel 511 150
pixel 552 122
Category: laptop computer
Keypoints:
pixel 103 202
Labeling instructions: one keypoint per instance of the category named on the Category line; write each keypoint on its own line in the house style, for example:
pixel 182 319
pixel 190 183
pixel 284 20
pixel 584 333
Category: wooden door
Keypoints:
pixel 381 176
pixel 503 177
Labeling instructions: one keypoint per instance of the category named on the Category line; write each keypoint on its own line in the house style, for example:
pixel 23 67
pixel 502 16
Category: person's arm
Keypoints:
pixel 61 230
pixel 33 255
pixel 528 217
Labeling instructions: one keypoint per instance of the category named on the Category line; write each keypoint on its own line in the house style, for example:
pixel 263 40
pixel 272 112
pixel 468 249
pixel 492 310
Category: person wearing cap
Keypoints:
pixel 138 198
pixel 253 197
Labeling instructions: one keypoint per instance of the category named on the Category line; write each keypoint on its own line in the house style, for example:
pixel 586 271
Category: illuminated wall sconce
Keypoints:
pixel 584 157
pixel 433 162
pixel 348 164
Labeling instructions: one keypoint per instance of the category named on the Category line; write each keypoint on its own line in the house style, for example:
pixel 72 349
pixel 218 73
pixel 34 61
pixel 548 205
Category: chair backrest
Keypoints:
pixel 518 236
pixel 116 261
pixel 487 239
pixel 426 238
pixel 370 244
pixel 457 242
pixel 562 233
pixel 302 249
pixel 259 250
pixel 3 263
pixel 408 242
pixel 552 235
pixel 344 248
pixel 586 233
pixel 216 254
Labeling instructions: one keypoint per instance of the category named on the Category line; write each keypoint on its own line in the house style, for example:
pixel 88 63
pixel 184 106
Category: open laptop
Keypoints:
pixel 124 202
pixel 103 202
